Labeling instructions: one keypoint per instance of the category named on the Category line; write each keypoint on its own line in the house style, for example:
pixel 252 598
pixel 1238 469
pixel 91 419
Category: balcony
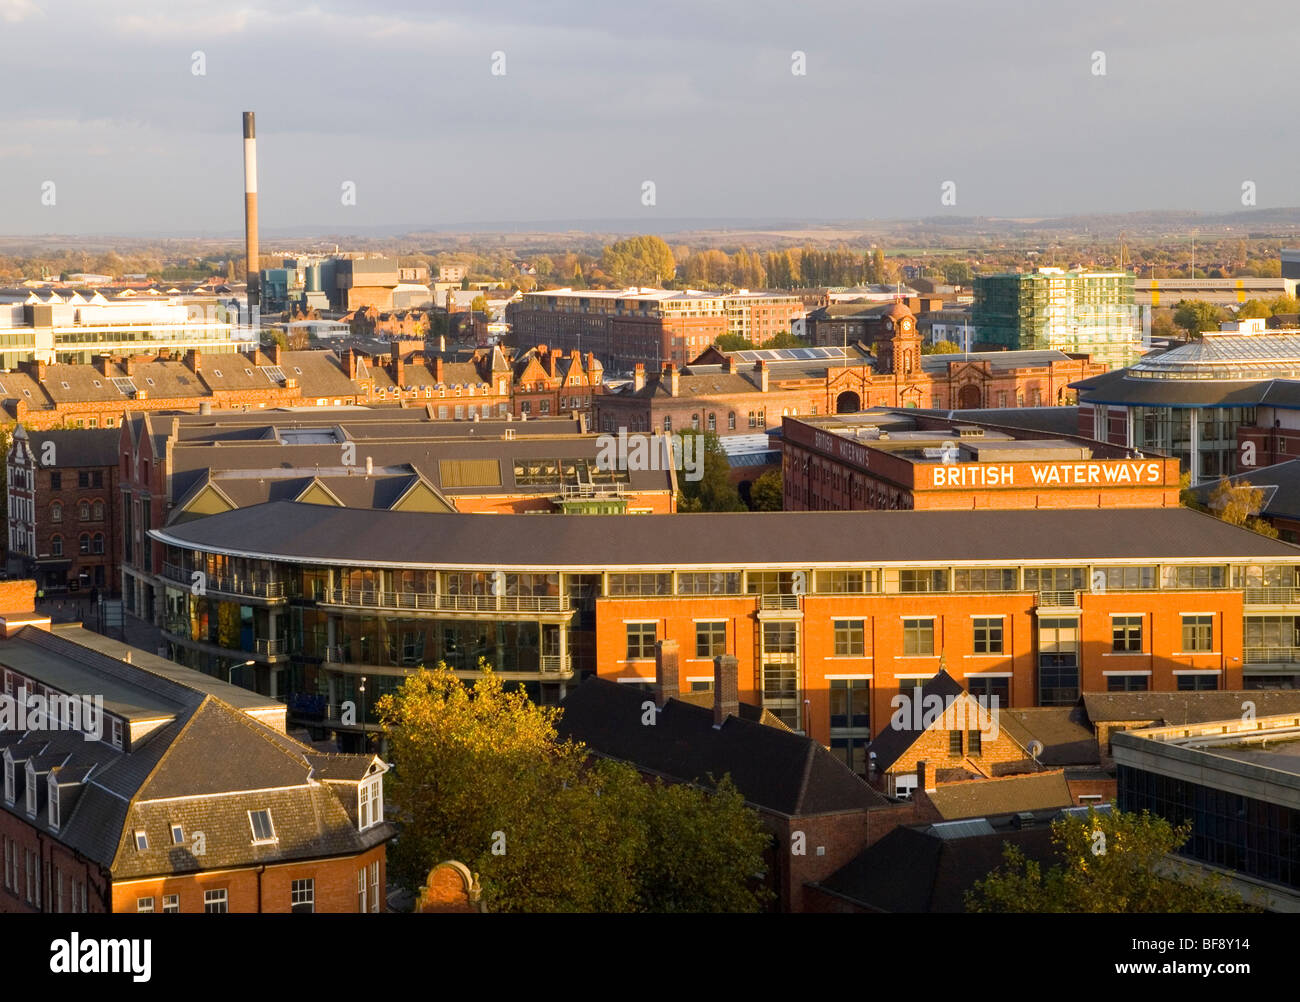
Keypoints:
pixel 267 652
pixel 774 602
pixel 242 587
pixel 273 648
pixel 1272 596
pixel 1058 600
pixel 369 598
pixel 1270 655
pixel 551 667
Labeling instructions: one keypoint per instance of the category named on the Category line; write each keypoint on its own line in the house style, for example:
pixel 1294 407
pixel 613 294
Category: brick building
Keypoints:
pixel 746 391
pixel 823 609
pixel 121 810
pixel 884 459
pixel 547 381
pixel 63 503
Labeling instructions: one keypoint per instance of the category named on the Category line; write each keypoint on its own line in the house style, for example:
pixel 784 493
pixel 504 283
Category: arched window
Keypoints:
pixel 56 546
pixel 668 422
pixel 713 421
pixel 97 511
pixel 695 422
pixel 83 511
pixel 731 421
pixel 56 513
pixel 99 542
pixel 85 542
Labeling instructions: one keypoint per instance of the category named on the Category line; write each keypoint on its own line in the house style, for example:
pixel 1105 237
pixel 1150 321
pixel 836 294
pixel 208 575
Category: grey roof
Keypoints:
pixel 1171 708
pixel 997 360
pixel 1063 731
pixel 979 798
pixel 316 534
pixel 78 447
pixel 1118 387
pixel 774 769
pixel 892 742
pixel 1279 482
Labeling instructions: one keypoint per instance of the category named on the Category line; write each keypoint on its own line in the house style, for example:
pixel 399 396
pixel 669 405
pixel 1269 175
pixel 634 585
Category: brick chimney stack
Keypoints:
pixel 638 377
pixel 726 693
pixel 437 371
pixel 194 360
pixel 667 677
pixel 728 364
pixel 277 354
pixel 399 367
pixel 103 364
pixel 350 362
pixel 674 379
pixel 761 368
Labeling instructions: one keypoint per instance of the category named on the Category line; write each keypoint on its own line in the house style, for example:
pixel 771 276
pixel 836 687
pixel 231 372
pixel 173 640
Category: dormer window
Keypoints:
pixel 9 779
pixel 141 839
pixel 117 733
pixel 263 830
pixel 371 803
pixel 54 801
pixel 178 835
pixel 31 789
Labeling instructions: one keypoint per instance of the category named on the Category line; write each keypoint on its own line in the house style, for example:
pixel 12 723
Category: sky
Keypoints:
pixel 399 98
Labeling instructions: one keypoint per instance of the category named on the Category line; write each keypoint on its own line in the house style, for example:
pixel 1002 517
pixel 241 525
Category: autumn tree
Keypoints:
pixel 1253 308
pixel 482 777
pixel 639 261
pixel 1239 503
pixel 1109 862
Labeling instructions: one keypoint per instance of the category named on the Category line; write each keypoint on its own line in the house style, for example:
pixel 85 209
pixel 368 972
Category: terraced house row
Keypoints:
pixel 830 614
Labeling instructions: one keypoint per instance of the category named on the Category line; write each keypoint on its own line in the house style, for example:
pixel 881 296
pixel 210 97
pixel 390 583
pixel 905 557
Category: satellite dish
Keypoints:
pixel 1035 749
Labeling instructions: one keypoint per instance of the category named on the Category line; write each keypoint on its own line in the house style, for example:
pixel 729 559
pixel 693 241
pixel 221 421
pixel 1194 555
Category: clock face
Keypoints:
pixel 907 325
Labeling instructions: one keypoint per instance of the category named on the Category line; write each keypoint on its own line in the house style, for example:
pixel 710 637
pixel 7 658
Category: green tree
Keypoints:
pixel 784 340
pixel 1111 862
pixel 479 768
pixel 732 342
pixel 714 491
pixel 767 492
pixel 958 273
pixel 1195 316
pixel 479 304
pixel 1253 308
pixel 1283 304
pixel 640 261
pixel 941 348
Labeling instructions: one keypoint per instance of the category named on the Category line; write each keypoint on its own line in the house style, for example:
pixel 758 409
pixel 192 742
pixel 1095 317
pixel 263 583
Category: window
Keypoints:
pixel 374 886
pixel 144 904
pixel 918 637
pixel 640 640
pixel 916 581
pixel 849 637
pixel 371 803
pixel 215 902
pixel 1193 577
pixel 710 639
pixel 97 511
pixel 640 584
pixel 987 688
pixel 844 582
pixel 974 743
pixel 56 481
pixel 83 478
pixel 263 830
pixel 56 546
pixel 668 422
pixel 850 703
pixel 141 840
pixel 1198 634
pixel 117 733
pixel 1197 683
pixel 178 835
pixel 1129 578
pixel 713 421
pixel 731 421
pixel 84 542
pixel 171 904
pixel 954 744
pixel 1126 634
pixel 97 543
pixel 1058 661
pixel 1127 683
pixel 361 890
pixel 988 635
pixel 56 512
pixel 53 798
pixel 984 579
pixel 302 896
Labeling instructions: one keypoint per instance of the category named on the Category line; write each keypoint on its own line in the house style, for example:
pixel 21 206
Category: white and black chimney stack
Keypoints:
pixel 250 209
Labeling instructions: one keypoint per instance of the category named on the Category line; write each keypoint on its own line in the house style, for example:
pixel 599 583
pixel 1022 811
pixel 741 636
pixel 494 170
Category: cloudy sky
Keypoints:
pixel 698 96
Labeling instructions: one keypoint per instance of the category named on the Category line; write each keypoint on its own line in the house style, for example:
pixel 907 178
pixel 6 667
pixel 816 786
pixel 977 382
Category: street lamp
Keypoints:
pixel 364 736
pixel 230 672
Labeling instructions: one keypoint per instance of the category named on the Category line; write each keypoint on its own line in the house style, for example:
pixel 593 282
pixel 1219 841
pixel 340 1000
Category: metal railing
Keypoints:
pixel 230 585
pixel 1271 655
pixel 1058 599
pixel 1272 596
pixel 271 647
pixel 373 598
pixel 770 601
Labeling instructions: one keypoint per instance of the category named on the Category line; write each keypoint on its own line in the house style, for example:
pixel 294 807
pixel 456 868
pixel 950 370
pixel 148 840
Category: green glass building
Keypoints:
pixel 1080 312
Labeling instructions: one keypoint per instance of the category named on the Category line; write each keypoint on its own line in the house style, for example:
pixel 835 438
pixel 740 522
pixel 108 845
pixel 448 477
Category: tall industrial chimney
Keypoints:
pixel 250 209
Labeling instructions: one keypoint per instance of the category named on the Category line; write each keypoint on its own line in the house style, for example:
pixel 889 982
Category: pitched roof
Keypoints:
pixel 892 742
pixel 776 770
pixel 1063 732
pixel 1187 707
pixel 979 798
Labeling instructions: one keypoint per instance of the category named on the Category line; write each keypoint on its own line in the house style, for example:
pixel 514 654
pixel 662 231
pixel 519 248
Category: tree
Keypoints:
pixel 1283 304
pixel 1253 308
pixel 1238 503
pixel 479 304
pixel 714 491
pixel 732 342
pixel 767 493
pixel 480 769
pixel 958 273
pixel 1112 862
pixel 640 261
pixel 784 340
pixel 941 348
pixel 1195 316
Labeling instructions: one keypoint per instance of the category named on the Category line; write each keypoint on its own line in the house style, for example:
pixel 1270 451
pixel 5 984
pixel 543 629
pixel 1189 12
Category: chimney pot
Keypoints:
pixel 726 696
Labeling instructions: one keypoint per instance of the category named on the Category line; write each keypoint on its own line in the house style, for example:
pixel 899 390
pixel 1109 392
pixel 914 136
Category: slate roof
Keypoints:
pixel 1063 731
pixel 917 870
pixel 81 447
pixel 1170 708
pixel 205 769
pixel 775 770
pixel 312 533
pixel 1280 483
